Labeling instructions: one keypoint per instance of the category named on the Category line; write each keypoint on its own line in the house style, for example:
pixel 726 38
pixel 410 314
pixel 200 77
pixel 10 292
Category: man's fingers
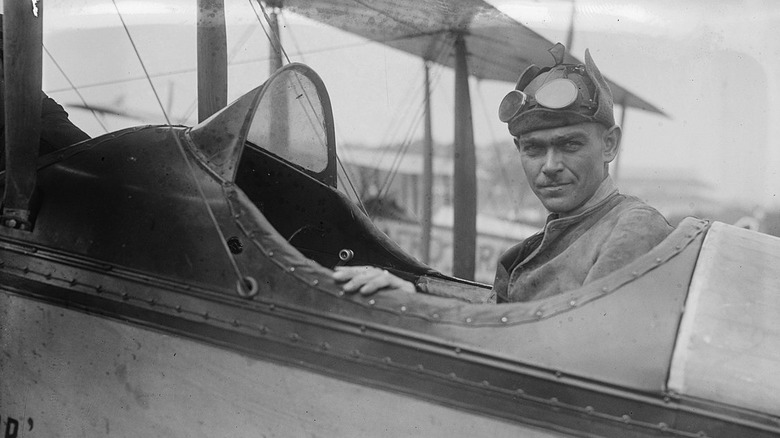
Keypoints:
pixel 368 280
pixel 380 280
pixel 355 277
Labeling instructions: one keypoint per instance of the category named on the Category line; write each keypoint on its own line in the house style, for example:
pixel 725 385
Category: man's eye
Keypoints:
pixel 572 146
pixel 532 150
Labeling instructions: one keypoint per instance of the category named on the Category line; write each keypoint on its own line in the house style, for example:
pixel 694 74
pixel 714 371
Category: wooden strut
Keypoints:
pixel 464 239
pixel 212 58
pixel 23 77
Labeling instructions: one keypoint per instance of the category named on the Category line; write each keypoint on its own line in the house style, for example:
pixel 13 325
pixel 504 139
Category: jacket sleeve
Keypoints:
pixel 56 127
pixel 636 232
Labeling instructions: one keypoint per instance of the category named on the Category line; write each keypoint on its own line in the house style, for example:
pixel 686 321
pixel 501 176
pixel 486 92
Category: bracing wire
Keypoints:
pixel 339 161
pixel 385 187
pixel 75 89
pixel 231 56
pixel 273 39
pixel 497 152
pixel 276 41
pixel 213 218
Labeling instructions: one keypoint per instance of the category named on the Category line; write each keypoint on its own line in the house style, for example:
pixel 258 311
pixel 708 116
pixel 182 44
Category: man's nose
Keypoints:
pixel 552 162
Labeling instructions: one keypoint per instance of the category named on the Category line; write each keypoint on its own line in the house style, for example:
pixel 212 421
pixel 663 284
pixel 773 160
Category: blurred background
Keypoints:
pixel 712 68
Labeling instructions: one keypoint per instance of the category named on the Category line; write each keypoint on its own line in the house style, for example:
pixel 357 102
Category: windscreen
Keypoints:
pixel 290 122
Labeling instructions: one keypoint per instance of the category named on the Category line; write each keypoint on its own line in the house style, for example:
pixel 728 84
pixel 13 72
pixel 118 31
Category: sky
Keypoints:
pixel 712 67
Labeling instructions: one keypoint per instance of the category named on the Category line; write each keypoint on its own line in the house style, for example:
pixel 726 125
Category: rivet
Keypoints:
pixel 626 418
pixel 356 353
pixel 558 374
pixel 539 313
pixel 371 302
pixel 386 359
pixel 605 289
pixel 315 282
pixel 453 376
pixel 292 268
pixel 235 323
pixel 294 337
pixel 519 391
pixel 485 383
pixel 363 328
pixel 272 306
pixel 667 399
pixel 341 293
pixel 457 350
pixel 468 320
pixel 151 301
pixel 589 409
pixel 504 319
pixel 420 367
pixel 658 260
pixel 702 433
pixel 678 247
pixel 206 315
pixel 324 345
pixel 435 316
pixel 99 288
pixel 403 308
pixel 47 275
pixel 573 303
pixel 270 253
pixel 635 274
pixel 554 400
pixel 178 309
pixel 124 296
pixel 663 426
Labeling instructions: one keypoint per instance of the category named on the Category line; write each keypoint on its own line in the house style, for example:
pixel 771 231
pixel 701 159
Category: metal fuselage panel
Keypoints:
pixel 66 373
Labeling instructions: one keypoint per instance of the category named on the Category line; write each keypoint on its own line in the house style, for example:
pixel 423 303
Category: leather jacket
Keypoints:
pixel 575 250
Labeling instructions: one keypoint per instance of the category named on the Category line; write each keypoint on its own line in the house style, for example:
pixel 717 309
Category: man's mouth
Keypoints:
pixel 553 185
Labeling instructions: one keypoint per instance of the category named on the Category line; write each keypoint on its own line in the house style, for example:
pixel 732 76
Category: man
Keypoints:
pixel 562 121
pixel 57 131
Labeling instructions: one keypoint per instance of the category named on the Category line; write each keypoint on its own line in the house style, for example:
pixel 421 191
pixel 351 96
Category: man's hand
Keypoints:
pixel 368 279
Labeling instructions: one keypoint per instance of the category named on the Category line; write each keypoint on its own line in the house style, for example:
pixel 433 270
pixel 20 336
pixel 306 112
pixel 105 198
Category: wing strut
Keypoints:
pixel 427 175
pixel 23 62
pixel 464 230
pixel 212 58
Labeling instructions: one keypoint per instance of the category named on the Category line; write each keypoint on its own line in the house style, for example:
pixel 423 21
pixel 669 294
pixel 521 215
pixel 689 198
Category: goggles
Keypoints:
pixel 557 94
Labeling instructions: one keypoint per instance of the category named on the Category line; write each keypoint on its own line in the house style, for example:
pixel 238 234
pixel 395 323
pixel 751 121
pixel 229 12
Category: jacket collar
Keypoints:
pixel 606 189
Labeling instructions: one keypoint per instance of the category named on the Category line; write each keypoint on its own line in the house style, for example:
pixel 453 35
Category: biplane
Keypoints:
pixel 176 281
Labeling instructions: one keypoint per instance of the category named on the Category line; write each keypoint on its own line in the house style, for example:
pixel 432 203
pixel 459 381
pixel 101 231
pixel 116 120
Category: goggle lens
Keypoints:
pixel 556 94
pixel 511 105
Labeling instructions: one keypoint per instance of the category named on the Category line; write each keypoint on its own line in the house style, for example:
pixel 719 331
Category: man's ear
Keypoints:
pixel 612 143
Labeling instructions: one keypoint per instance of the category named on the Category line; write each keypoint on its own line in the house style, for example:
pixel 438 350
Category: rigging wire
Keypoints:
pixel 273 39
pixel 74 88
pixel 340 163
pixel 497 152
pixel 446 47
pixel 276 41
pixel 213 218
pixel 231 56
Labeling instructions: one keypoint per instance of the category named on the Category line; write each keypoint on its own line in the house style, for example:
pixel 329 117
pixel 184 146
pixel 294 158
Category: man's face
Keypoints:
pixel 565 166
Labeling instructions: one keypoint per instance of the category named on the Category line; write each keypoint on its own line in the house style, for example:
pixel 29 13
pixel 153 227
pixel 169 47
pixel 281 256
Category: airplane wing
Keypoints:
pixel 499 48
